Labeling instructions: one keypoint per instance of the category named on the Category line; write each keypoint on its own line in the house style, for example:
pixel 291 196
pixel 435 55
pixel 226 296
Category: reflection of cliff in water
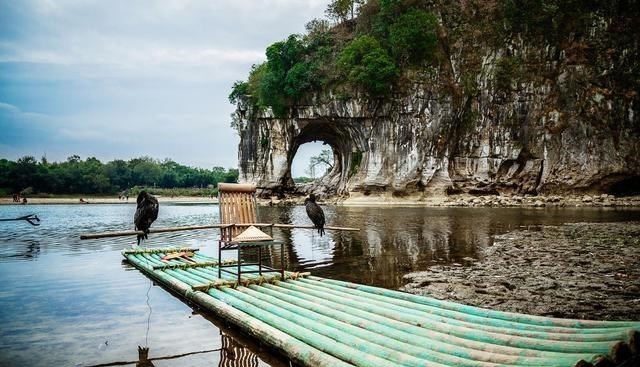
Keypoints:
pixel 394 241
pixel 390 246
pixel 28 250
pixel 387 247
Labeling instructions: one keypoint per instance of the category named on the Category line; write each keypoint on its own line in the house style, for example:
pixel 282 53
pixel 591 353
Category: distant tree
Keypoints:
pixel 75 176
pixel 324 161
pixel 118 173
pixel 232 175
pixel 25 173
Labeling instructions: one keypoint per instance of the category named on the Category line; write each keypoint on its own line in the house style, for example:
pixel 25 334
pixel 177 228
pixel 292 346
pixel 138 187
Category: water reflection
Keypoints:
pixel 232 353
pixel 395 241
pixel 28 250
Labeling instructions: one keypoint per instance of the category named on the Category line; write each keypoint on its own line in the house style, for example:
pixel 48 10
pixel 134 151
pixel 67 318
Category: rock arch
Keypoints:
pixel 419 144
pixel 268 147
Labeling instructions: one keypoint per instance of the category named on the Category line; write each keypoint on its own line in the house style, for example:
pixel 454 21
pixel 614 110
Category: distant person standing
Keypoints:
pixel 24 201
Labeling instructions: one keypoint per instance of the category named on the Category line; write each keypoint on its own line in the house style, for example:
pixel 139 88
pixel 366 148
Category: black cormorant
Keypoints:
pixel 315 213
pixel 146 213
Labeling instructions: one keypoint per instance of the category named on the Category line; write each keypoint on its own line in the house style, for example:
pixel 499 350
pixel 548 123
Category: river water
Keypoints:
pixel 67 302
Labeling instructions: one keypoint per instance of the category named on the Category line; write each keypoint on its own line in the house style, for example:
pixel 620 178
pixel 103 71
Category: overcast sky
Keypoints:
pixel 121 79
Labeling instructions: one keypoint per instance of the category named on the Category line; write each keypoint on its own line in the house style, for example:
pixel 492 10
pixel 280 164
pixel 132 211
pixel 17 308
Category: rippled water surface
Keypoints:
pixel 67 302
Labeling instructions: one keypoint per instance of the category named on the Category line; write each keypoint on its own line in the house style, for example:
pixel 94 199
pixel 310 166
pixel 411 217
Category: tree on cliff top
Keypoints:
pixel 367 65
pixel 386 40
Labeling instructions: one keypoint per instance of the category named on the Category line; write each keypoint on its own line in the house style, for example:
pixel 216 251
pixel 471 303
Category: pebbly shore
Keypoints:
pixel 580 270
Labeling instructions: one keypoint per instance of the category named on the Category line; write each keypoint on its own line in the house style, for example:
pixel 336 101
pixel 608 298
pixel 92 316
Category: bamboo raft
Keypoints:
pixel 323 322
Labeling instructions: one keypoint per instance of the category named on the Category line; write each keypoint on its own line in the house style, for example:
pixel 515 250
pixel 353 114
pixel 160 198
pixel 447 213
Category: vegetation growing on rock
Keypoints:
pixel 373 44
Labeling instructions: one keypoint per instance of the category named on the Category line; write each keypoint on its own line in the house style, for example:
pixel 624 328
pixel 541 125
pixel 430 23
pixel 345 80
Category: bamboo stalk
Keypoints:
pixel 88 236
pixel 300 352
pixel 357 325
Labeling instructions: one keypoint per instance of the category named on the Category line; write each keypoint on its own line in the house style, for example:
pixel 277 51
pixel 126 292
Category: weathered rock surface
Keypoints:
pixel 568 122
pixel 583 270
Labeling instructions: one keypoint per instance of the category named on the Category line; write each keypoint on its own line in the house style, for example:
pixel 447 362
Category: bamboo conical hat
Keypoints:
pixel 252 234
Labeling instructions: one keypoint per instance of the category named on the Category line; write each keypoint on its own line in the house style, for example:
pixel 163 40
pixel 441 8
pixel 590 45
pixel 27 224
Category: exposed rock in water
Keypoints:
pixel 566 121
pixel 583 270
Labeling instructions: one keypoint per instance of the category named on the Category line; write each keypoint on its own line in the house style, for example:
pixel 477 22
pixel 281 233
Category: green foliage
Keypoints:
pixel 329 57
pixel 550 20
pixel 75 176
pixel 283 79
pixel 342 10
pixel 368 66
pixel 412 37
pixel 508 70
pixel 238 89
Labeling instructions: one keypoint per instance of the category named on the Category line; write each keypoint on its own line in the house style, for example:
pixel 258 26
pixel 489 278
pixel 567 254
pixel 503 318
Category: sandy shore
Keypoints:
pixel 581 270
pixel 111 200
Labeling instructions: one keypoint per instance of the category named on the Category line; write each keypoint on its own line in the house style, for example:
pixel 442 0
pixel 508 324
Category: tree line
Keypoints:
pixel 91 176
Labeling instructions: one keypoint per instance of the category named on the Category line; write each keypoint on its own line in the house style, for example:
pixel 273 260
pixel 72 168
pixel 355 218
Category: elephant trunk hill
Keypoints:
pixel 541 104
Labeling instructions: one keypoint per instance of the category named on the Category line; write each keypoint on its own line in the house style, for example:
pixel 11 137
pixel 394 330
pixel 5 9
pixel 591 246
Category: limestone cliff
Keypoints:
pixel 563 119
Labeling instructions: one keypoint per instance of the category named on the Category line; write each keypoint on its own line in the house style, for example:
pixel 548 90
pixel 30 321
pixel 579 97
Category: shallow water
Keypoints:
pixel 67 302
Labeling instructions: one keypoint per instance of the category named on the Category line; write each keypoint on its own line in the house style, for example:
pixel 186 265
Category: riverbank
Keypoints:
pixel 534 201
pixel 604 200
pixel 581 270
pixel 109 200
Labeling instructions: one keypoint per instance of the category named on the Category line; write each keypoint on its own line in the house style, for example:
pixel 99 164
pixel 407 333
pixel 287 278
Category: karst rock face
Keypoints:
pixel 567 130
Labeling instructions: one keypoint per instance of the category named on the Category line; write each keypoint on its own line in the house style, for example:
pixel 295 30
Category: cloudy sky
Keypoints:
pixel 122 78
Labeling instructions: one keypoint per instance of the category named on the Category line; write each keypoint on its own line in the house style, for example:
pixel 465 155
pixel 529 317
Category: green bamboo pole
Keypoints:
pixel 383 337
pixel 559 333
pixel 338 331
pixel 400 323
pixel 473 320
pixel 486 337
pixel 423 338
pixel 387 325
pixel 298 351
pixel 321 342
pixel 508 316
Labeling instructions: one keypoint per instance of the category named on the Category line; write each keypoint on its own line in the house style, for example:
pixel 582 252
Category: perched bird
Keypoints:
pixel 315 213
pixel 146 213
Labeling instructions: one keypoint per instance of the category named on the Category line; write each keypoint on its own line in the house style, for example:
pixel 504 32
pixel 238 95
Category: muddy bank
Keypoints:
pixel 581 270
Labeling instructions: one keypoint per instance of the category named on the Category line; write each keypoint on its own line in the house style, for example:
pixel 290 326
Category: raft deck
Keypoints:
pixel 322 322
